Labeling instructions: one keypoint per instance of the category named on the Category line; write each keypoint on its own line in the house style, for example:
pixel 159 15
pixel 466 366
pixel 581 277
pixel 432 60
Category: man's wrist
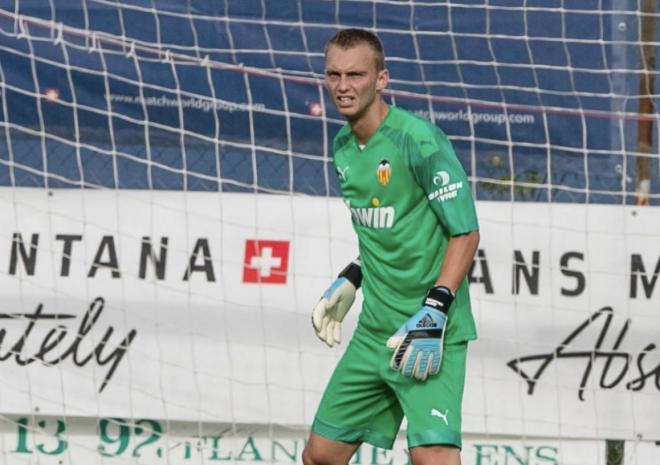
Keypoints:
pixel 352 273
pixel 439 298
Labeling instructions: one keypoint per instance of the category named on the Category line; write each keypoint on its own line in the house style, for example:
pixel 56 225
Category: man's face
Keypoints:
pixel 352 79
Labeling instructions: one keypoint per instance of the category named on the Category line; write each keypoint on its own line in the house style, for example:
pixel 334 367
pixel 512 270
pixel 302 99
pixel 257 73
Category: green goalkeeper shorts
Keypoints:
pixel 366 400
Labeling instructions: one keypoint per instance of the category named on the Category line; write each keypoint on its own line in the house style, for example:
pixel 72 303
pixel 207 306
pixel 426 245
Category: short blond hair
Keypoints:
pixel 351 38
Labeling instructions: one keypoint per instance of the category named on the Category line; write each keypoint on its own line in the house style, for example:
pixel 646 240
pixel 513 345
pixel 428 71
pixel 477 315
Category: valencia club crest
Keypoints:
pixel 384 172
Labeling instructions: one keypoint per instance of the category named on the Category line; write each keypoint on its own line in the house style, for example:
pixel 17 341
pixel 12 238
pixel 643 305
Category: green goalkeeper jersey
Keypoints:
pixel 407 194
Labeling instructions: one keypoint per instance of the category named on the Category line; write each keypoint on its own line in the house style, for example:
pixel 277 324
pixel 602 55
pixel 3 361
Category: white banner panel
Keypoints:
pixel 47 441
pixel 196 307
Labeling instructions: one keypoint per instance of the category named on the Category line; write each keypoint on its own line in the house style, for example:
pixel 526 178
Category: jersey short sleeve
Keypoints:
pixel 439 173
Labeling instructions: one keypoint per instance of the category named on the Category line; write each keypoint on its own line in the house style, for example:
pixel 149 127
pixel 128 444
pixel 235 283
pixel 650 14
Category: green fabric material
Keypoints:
pixel 408 195
pixel 365 400
pixel 435 438
pixel 351 436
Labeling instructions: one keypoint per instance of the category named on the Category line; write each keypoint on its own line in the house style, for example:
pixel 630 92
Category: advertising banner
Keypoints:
pixel 112 441
pixel 195 307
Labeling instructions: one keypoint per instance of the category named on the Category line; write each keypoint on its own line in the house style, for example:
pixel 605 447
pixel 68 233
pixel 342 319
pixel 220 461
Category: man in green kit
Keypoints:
pixel 414 215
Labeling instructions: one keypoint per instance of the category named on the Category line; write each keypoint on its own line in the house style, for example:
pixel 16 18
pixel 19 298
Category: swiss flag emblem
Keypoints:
pixel 266 262
pixel 52 95
pixel 315 109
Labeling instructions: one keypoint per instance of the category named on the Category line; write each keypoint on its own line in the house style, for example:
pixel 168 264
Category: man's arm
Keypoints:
pixel 418 343
pixel 458 260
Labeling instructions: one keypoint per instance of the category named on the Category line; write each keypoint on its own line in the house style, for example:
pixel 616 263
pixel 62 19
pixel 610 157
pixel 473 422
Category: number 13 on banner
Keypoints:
pixel 53 445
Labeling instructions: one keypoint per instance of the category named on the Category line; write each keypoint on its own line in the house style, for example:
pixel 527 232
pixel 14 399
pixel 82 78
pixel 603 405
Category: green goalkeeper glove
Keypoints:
pixel 335 303
pixel 418 342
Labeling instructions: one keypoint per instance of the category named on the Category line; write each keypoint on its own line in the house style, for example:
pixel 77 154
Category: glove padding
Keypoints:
pixel 418 342
pixel 335 303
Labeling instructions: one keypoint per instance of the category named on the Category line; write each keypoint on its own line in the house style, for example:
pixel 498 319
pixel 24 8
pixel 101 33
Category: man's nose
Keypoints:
pixel 343 83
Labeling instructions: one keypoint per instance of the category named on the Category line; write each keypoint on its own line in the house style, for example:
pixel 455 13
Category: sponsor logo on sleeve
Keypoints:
pixel 446 189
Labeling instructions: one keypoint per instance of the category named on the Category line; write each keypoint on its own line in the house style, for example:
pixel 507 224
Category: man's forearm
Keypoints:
pixel 458 259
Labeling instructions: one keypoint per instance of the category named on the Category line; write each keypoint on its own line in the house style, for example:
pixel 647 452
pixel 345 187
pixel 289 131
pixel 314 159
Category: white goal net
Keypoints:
pixel 170 216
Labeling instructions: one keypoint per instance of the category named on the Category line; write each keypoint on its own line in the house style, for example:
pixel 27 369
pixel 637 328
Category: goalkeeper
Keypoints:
pixel 414 215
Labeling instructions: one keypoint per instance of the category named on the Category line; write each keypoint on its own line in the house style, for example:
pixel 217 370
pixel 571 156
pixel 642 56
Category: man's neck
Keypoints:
pixel 366 126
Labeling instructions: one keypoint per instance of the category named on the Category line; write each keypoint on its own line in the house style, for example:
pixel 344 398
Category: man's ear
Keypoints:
pixel 383 80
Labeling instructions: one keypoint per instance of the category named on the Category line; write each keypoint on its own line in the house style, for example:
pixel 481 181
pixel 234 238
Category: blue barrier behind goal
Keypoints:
pixel 540 102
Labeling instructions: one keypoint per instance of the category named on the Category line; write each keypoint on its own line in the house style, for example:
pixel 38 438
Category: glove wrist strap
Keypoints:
pixel 439 298
pixel 353 273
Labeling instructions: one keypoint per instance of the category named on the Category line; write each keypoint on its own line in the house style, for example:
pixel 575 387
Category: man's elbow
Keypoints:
pixel 476 237
pixel 472 237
